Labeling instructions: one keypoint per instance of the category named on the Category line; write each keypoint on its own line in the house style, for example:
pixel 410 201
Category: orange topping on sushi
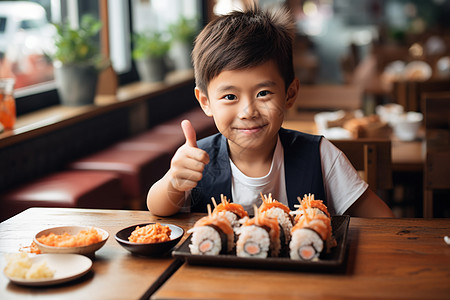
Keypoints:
pixel 226 205
pixel 269 203
pixel 309 202
pixel 262 220
pixel 317 222
pixel 217 220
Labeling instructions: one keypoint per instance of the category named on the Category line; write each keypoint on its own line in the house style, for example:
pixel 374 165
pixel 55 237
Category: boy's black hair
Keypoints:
pixel 243 39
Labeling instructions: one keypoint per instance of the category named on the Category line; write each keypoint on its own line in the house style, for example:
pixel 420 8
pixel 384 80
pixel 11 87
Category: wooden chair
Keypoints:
pixel 372 157
pixel 409 93
pixel 329 97
pixel 436 107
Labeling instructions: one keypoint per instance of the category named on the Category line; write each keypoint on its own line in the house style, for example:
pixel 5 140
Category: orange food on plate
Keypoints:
pixel 83 238
pixel 33 248
pixel 152 233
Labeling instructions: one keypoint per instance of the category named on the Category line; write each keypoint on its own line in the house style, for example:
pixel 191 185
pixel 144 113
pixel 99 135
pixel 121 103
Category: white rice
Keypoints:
pixel 304 237
pixel 253 234
pixel 202 233
pixel 231 217
pixel 283 219
pixel 20 265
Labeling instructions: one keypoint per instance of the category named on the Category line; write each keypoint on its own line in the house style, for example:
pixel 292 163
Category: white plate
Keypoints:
pixel 66 266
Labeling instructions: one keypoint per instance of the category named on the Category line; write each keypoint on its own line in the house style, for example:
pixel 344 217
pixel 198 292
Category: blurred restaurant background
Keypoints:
pixel 370 70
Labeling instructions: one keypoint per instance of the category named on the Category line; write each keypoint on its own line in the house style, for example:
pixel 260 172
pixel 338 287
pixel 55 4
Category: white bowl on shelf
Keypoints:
pixel 417 71
pixel 389 111
pixel 443 66
pixel 406 125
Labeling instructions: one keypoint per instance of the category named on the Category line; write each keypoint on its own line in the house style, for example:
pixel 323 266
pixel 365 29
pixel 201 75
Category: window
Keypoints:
pixel 2 24
pixel 119 27
pixel 164 19
pixel 26 42
pixel 158 15
pixel 26 39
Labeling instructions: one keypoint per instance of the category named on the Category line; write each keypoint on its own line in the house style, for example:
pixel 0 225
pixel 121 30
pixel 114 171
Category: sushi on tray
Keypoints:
pixel 274 230
pixel 259 236
pixel 312 232
pixel 212 235
pixel 232 211
pixel 275 209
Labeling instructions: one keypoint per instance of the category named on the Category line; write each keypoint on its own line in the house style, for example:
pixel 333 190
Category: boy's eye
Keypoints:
pixel 230 97
pixel 263 93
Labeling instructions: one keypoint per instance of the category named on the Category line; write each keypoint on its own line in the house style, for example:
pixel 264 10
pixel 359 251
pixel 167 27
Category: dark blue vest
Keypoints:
pixel 303 171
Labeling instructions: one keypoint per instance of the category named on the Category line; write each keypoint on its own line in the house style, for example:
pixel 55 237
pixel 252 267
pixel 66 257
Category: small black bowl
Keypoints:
pixel 149 249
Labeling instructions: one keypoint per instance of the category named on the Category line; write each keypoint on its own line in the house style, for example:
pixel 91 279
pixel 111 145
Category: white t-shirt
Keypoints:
pixel 342 184
pixel 246 190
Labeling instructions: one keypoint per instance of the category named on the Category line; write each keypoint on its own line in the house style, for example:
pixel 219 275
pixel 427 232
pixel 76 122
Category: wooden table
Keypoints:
pixel 386 259
pixel 116 273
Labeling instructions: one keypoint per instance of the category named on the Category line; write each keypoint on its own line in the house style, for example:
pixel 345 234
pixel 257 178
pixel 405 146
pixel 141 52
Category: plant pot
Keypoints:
pixel 180 53
pixel 151 69
pixel 76 84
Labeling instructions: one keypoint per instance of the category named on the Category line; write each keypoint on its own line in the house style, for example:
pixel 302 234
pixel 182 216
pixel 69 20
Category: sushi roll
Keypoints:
pixel 309 203
pixel 312 232
pixel 211 235
pixel 281 212
pixel 258 237
pixel 309 236
pixel 232 211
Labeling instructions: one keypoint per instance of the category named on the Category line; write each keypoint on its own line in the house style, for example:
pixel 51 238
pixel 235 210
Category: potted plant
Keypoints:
pixel 77 61
pixel 150 54
pixel 183 34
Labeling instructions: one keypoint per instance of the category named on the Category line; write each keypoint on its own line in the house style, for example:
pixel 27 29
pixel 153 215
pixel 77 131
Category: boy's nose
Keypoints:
pixel 248 109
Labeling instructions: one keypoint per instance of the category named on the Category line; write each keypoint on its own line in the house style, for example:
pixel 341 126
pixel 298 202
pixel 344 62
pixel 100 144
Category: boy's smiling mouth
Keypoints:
pixel 251 129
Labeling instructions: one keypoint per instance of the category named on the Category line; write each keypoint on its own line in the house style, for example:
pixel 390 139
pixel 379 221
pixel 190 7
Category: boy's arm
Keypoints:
pixel 163 199
pixel 166 196
pixel 369 205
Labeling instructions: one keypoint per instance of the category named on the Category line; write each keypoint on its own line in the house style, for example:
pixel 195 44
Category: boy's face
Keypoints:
pixel 248 105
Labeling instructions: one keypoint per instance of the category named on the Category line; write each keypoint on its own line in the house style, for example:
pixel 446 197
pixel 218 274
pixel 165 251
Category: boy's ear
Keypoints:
pixel 292 92
pixel 202 99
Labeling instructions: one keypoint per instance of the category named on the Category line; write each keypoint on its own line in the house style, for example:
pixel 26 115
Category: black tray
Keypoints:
pixel 328 261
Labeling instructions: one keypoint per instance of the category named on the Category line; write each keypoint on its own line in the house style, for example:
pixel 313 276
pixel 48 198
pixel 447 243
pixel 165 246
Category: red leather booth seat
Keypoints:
pixel 83 189
pixel 143 159
pixel 161 138
pixel 137 169
pixel 169 136
pixel 204 125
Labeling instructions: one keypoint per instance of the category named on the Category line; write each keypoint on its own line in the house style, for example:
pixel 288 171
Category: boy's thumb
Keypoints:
pixel 189 133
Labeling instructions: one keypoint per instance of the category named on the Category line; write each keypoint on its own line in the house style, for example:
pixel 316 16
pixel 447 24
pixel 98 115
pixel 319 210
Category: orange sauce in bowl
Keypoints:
pixel 83 238
pixel 152 233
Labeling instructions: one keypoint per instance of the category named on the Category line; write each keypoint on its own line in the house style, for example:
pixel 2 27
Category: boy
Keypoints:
pixel 245 81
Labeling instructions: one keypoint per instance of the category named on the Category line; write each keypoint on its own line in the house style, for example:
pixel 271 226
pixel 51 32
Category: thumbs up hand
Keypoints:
pixel 189 133
pixel 189 161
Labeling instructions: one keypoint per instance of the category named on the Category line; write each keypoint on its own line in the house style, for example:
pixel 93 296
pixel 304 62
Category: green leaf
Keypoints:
pixel 150 44
pixel 184 30
pixel 77 45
